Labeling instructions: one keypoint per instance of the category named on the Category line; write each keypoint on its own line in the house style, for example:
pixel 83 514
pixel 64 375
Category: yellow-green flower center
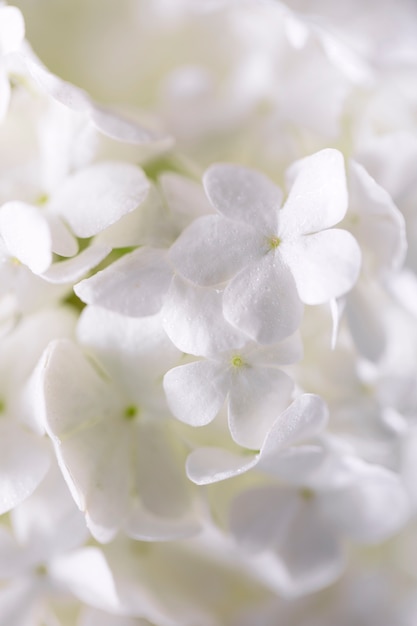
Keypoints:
pixel 237 361
pixel 131 412
pixel 274 242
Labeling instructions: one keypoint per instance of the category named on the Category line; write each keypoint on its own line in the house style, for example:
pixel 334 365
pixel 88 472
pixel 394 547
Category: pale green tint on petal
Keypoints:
pixel 324 265
pixel 99 195
pixel 318 198
pixel 196 392
pixel 256 397
pixel 135 285
pixel 213 249
pixel 244 195
pixel 160 476
pixel 262 301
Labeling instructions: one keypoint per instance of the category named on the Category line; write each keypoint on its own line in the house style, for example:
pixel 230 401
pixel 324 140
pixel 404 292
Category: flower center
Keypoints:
pixel 237 361
pixel 131 412
pixel 274 242
pixel 306 493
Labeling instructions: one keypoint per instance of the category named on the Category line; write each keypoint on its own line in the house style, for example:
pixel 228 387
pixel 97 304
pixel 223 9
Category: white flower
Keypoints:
pixel 274 259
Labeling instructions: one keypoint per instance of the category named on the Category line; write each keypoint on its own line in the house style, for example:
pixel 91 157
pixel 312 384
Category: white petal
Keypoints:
pixel 324 265
pixel 61 91
pixel 120 128
pixel 262 301
pixel 311 551
pixel 244 195
pixel 290 350
pixel 210 465
pixel 27 236
pixel 87 574
pixel 63 241
pixel 24 461
pixel 160 478
pixel 318 198
pixel 133 351
pixel 12 29
pixel 5 93
pixel 196 392
pixel 99 195
pixel 304 418
pixel 135 285
pixel 144 526
pixel 363 311
pixel 379 226
pixel 73 269
pixel 193 320
pixel 213 249
pixel 372 508
pixel 259 516
pixel 256 397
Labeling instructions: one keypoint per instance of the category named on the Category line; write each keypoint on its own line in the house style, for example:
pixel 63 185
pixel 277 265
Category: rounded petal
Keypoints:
pixel 306 417
pixel 135 285
pixel 213 249
pixel 263 302
pixel 324 265
pixel 12 29
pixel 372 508
pixel 259 517
pixel 243 194
pixel 256 397
pixel 193 320
pixel 210 465
pixel 196 392
pixel 76 267
pixel 24 461
pixel 26 234
pixel 99 195
pixel 318 198
pixel 311 552
pixel 121 129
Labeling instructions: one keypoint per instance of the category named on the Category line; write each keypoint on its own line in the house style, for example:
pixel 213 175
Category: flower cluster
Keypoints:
pixel 208 337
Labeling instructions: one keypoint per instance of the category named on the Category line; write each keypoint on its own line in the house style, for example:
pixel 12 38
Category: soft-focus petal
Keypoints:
pixel 27 236
pixel 256 397
pixel 24 461
pixel 96 197
pixel 135 285
pixel 372 508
